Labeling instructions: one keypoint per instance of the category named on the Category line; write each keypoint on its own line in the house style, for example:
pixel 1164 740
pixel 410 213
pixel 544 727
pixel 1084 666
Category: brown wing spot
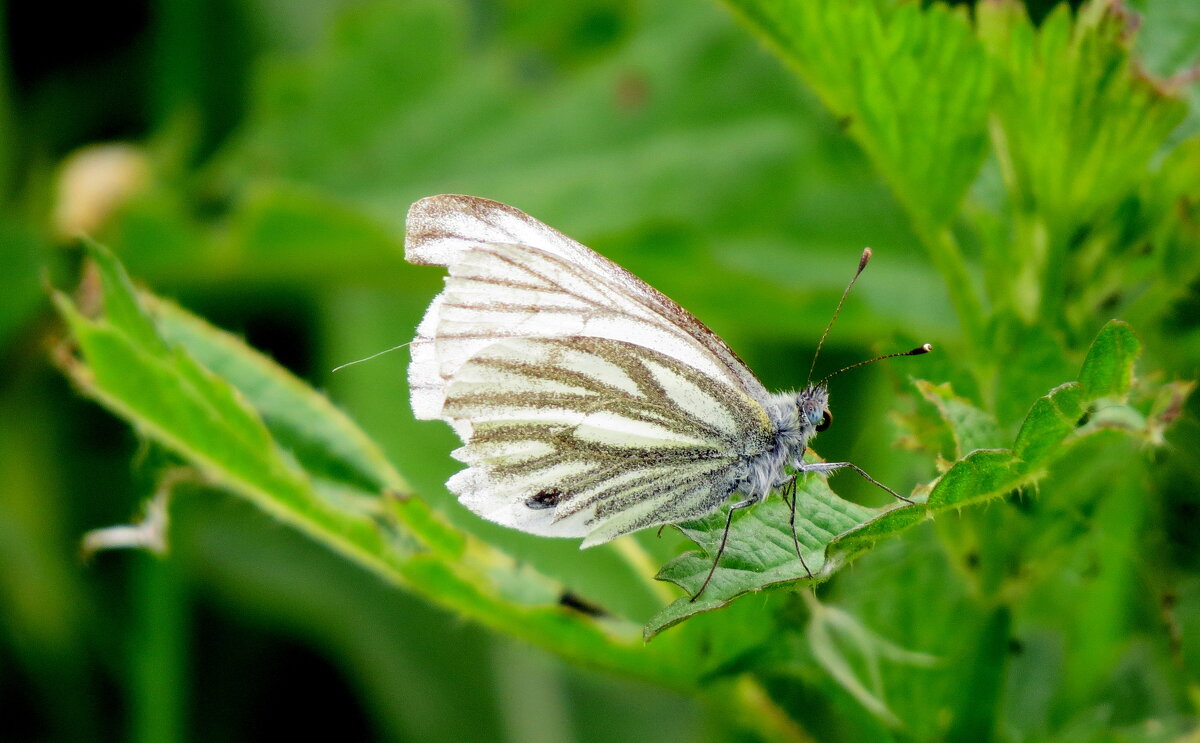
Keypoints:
pixel 547 498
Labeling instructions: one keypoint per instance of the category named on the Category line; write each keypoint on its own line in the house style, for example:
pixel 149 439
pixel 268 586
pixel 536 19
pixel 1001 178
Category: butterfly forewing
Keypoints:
pixel 500 258
pixel 589 403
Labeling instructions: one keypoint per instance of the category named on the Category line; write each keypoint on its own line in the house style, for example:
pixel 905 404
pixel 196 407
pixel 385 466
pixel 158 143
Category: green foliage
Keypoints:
pixel 249 426
pixel 912 84
pixel 762 554
pixel 1022 184
pixel 1076 127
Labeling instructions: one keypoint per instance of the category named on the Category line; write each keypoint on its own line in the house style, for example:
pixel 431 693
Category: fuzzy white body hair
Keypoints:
pixel 795 417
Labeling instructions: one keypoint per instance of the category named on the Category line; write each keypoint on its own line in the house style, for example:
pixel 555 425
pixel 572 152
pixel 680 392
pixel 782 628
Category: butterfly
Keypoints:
pixel 588 403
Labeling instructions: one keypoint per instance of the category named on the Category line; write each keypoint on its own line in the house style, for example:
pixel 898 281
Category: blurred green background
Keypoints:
pixel 254 159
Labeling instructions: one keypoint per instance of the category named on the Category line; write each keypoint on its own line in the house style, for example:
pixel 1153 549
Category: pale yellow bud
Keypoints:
pixel 93 182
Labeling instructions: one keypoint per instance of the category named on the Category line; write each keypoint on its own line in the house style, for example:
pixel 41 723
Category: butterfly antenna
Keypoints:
pixel 923 348
pixel 862 263
pixel 372 356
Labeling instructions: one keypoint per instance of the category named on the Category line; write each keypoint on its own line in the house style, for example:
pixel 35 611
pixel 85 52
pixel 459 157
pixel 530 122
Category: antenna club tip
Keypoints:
pixel 866 257
pixel 923 348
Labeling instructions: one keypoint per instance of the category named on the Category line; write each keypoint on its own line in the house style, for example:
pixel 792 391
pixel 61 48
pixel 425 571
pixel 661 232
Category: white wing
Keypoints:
pixel 590 403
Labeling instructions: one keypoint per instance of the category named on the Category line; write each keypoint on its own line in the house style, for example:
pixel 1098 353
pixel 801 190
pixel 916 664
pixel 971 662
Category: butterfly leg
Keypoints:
pixel 792 487
pixel 724 540
pixel 825 467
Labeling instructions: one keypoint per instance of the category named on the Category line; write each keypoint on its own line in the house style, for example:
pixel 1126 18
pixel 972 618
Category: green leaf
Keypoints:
pixel 1108 369
pixel 760 551
pixel 324 440
pixel 883 67
pixel 980 475
pixel 167 396
pixel 1049 421
pixel 1078 123
pixel 1077 126
pixel 120 302
pixel 277 443
pixel 912 85
pixel 837 638
pixel 971 427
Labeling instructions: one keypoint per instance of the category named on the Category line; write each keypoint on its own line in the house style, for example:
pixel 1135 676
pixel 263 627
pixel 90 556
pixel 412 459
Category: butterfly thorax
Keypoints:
pixel 795 418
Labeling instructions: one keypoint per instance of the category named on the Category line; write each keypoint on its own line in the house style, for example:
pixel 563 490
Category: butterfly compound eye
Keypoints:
pixel 826 419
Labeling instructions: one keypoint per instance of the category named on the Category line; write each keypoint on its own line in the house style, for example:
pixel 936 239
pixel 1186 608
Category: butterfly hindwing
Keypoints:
pixel 582 436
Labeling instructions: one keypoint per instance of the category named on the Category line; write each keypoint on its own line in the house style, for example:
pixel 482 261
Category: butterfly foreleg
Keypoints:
pixel 826 467
pixel 749 501
pixel 791 488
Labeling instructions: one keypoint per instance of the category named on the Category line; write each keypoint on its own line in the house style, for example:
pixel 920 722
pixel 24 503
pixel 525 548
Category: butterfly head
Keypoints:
pixel 798 416
pixel 812 409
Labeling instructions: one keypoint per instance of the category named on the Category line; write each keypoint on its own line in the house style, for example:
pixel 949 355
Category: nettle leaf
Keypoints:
pixel 324 440
pixel 1077 126
pixel 970 427
pixel 760 551
pixel 912 84
pixel 161 369
pixel 1167 220
pixel 166 395
pixel 832 532
pixel 1049 421
pixel 255 430
pixel 1108 369
pixel 1078 123
pixel 1040 355
pixel 120 303
pixel 1175 194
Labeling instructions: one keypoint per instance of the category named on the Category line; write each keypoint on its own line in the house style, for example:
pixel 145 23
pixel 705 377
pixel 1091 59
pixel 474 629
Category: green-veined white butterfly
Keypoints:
pixel 589 404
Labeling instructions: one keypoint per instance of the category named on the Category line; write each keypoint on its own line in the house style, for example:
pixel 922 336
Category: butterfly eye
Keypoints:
pixel 826 419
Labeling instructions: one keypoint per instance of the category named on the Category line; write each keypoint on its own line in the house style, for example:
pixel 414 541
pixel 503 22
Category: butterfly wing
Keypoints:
pixel 589 403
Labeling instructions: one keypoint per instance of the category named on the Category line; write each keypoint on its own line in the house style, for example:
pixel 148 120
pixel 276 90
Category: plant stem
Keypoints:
pixel 947 257
pixel 757 711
